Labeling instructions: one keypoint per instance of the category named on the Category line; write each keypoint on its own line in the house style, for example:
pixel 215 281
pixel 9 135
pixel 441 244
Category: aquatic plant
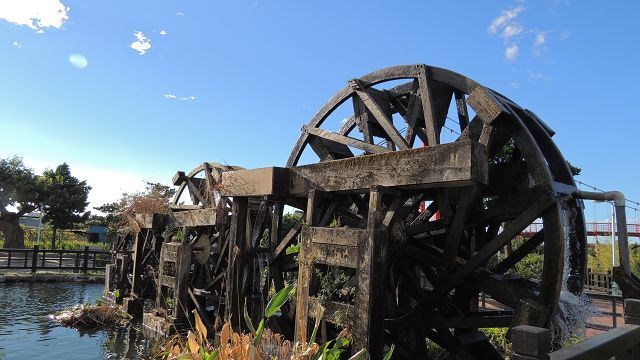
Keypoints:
pixel 90 316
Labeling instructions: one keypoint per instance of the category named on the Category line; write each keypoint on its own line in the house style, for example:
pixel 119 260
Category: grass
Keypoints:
pixel 66 240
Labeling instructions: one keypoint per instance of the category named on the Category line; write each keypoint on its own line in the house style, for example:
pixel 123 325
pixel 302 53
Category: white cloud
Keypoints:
pixel 163 32
pixel 504 18
pixel 142 45
pixel 537 76
pixel 540 39
pixel 183 98
pixel 514 85
pixel 17 44
pixel 179 13
pixel 538 43
pixel 511 52
pixel 36 14
pixel 511 30
pixel 564 35
pixel 78 60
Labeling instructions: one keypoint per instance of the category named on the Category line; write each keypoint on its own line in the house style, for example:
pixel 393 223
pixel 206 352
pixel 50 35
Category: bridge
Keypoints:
pixel 594 229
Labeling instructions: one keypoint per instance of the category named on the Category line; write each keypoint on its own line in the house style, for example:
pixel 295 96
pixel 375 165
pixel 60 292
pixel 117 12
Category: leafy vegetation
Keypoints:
pixel 65 199
pixel 62 196
pixel 120 215
pixel 260 343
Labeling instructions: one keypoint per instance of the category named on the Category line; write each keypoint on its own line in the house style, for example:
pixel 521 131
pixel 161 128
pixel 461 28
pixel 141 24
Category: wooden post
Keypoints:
pixel 305 270
pixel 614 311
pixel 136 283
pixel 180 296
pixel 34 258
pixel 86 259
pixel 530 343
pixel 632 311
pixel 372 269
pixel 237 236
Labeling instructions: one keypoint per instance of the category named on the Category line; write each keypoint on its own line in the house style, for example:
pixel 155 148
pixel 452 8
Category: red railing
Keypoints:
pixel 593 229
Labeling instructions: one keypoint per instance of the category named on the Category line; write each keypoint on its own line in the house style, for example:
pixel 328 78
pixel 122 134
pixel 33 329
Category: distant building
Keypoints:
pixel 97 233
pixel 30 219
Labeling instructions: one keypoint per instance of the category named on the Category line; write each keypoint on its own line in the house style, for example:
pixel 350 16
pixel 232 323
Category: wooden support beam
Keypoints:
pixel 428 108
pixel 188 218
pixel 455 164
pixel 523 250
pixel 345 140
pixel 383 118
pixel 463 111
pixel 237 241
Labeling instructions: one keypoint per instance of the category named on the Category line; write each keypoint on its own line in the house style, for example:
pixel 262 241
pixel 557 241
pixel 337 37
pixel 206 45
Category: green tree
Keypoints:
pixel 20 193
pixel 66 199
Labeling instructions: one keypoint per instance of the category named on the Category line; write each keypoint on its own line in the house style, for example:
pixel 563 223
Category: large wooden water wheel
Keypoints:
pixel 448 244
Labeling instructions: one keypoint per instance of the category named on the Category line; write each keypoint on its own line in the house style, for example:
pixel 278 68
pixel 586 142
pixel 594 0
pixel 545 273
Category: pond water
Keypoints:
pixel 26 332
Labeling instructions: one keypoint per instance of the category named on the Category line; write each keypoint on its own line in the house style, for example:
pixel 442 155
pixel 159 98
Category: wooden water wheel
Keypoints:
pixel 446 245
pixel 199 215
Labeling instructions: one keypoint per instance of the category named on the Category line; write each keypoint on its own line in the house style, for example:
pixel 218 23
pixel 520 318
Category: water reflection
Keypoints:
pixel 27 332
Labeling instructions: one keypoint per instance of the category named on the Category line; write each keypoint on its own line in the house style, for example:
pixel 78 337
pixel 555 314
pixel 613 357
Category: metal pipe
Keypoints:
pixel 619 202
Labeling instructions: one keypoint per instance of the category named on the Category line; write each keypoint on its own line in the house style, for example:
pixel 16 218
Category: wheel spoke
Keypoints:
pixel 510 231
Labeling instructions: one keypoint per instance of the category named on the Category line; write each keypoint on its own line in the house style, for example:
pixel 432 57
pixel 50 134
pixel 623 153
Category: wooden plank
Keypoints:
pixel 371 274
pixel 523 250
pixel 345 140
pixel 454 164
pixel 327 149
pixel 463 111
pixel 362 119
pixel 456 229
pixel 428 108
pixel 333 255
pixel 237 235
pixel 336 236
pixel 486 105
pixel 254 182
pixel 191 218
pixel 384 120
pixel 603 346
pixel 287 240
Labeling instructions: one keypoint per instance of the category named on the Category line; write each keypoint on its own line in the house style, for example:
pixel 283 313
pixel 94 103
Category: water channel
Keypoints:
pixel 26 332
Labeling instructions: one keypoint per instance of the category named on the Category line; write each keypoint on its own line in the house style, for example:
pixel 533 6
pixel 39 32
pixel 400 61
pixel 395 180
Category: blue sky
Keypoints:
pixel 170 84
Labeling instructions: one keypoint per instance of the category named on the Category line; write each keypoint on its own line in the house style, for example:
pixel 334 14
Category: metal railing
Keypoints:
pixel 47 259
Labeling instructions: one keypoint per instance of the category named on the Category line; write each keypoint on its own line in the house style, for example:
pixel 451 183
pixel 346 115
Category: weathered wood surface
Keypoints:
pixel 454 164
pixel 188 218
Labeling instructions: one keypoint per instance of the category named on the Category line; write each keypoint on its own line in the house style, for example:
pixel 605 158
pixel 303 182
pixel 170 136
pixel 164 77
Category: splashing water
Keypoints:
pixel 574 311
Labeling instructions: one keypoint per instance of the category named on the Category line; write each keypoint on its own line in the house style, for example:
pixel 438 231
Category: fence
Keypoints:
pixel 600 282
pixel 41 259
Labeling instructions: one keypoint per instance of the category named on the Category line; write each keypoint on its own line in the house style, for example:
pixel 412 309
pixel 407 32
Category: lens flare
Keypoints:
pixel 78 61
